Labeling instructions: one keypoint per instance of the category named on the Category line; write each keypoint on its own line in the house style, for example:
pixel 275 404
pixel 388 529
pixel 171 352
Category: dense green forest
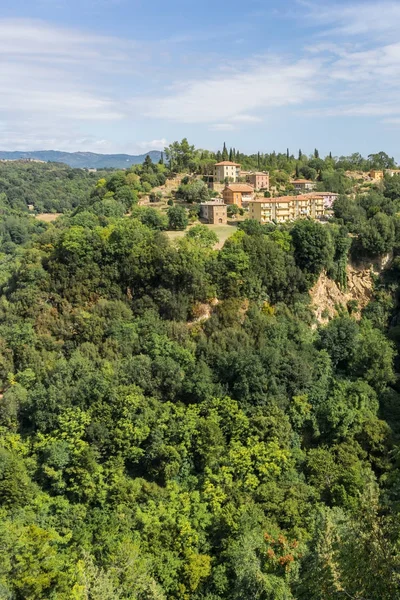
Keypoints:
pixel 49 187
pixel 53 187
pixel 174 423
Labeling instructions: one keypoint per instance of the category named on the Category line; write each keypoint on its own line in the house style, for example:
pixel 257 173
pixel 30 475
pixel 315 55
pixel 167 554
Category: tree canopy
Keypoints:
pixel 174 421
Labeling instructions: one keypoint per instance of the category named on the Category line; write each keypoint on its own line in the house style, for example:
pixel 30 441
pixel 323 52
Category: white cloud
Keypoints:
pixel 361 18
pixel 30 134
pixel 372 65
pixel 222 127
pixel 332 48
pixel 38 41
pixel 49 94
pixel 361 54
pixel 246 119
pixel 368 109
pixel 52 80
pixel 153 145
pixel 261 84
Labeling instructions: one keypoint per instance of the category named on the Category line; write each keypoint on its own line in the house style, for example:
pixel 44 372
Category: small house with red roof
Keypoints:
pixel 303 185
pixel 238 193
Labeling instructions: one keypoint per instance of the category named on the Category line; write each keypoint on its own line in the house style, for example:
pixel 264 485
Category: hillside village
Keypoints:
pixel 237 193
pixel 218 189
pixel 251 191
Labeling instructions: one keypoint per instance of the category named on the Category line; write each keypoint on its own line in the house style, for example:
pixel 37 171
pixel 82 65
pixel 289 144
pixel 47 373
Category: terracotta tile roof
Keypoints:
pixel 290 198
pixel 302 181
pixel 303 197
pixel 239 187
pixel 315 194
pixel 283 199
pixel 226 163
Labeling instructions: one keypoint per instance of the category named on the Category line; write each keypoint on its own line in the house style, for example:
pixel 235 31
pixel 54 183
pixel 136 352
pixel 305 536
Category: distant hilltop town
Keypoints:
pixel 22 160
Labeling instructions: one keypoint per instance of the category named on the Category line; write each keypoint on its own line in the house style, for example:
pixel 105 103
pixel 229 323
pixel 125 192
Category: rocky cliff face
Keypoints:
pixel 327 297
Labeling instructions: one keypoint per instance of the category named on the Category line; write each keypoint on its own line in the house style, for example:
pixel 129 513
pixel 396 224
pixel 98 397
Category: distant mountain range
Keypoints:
pixel 88 160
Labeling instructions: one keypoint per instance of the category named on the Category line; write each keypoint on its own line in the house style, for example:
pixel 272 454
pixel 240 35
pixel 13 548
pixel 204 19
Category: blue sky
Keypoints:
pixel 134 75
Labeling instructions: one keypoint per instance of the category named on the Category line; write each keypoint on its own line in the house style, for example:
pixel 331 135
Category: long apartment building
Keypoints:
pixel 289 208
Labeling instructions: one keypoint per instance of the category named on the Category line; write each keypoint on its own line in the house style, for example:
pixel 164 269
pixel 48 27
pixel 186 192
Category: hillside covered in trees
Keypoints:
pixel 174 423
pixel 331 173
pixel 48 187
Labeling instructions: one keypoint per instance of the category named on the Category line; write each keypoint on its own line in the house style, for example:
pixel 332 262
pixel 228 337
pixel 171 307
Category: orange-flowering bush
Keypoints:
pixel 281 552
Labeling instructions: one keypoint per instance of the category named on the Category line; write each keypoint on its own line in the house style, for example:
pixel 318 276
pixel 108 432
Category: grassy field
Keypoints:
pixel 48 217
pixel 223 232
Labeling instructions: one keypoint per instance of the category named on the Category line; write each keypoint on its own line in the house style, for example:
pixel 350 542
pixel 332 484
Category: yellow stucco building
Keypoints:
pixel 287 208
